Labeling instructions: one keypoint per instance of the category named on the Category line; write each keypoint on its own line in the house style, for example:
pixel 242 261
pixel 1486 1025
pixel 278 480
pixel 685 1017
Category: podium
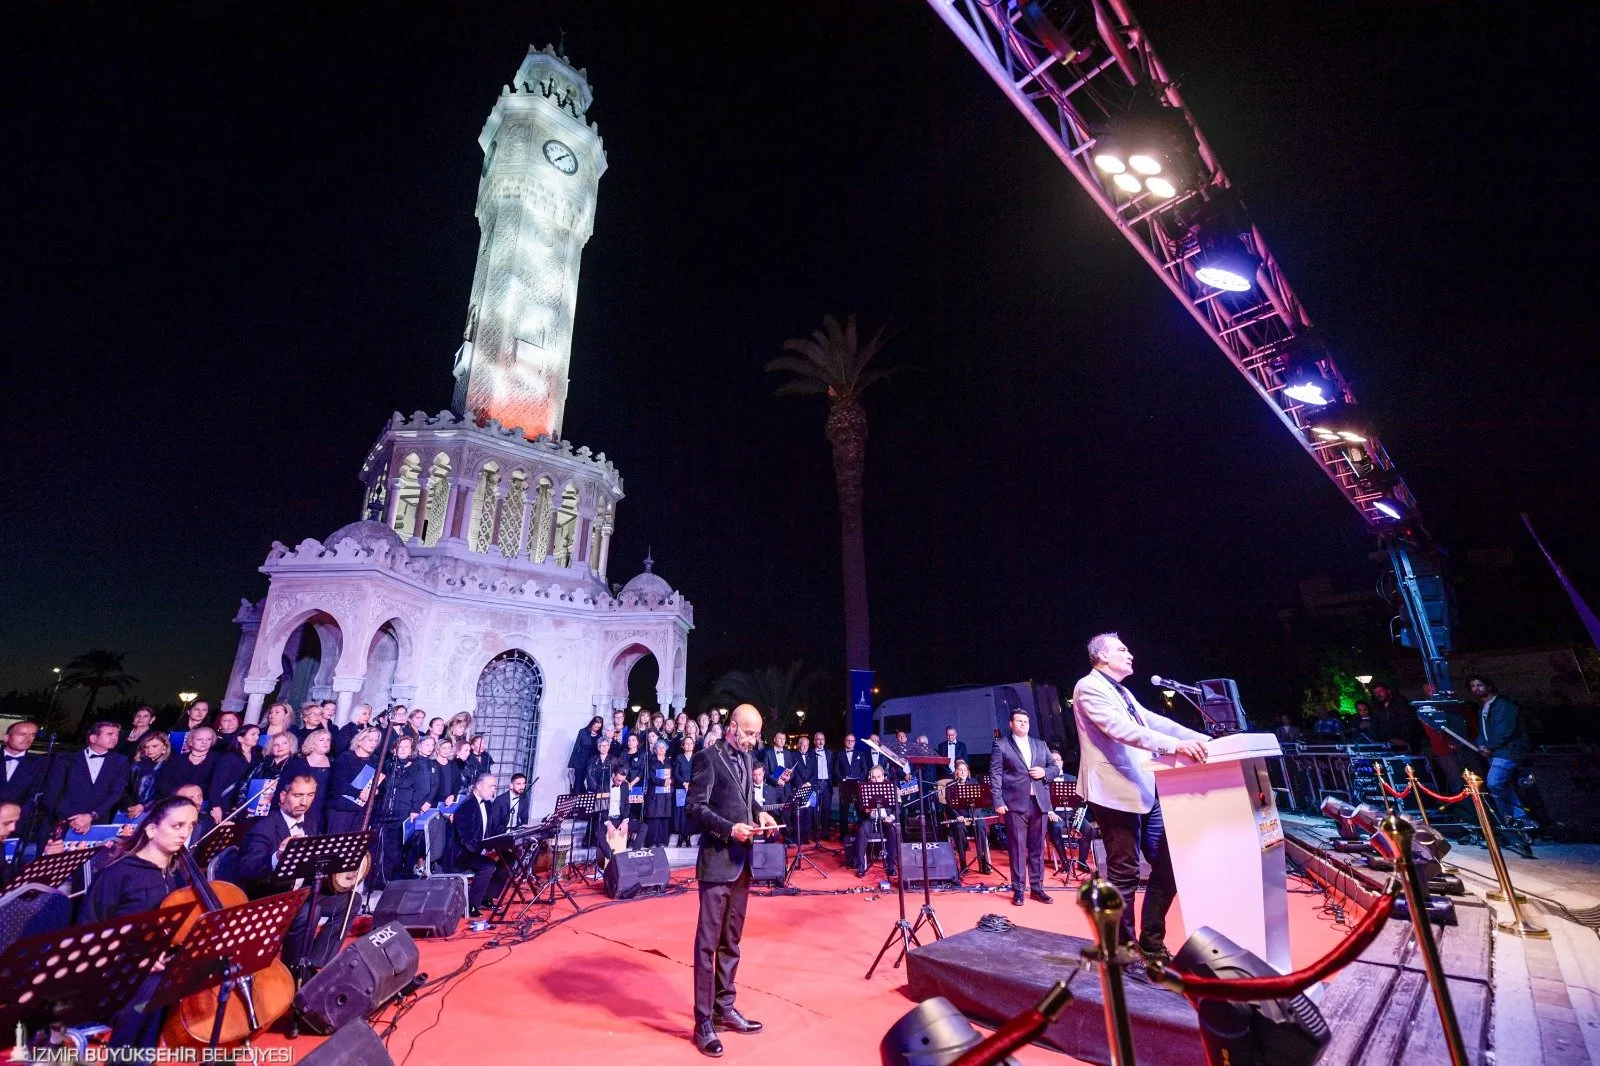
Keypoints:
pixel 1227 843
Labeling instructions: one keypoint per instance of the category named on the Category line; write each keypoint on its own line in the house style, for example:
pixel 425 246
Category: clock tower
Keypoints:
pixel 542 163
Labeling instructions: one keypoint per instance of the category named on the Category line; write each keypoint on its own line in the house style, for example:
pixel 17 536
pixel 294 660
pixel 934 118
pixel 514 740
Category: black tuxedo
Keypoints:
pixel 258 849
pixel 849 766
pixel 720 795
pixel 942 749
pixel 1027 804
pixel 501 811
pixel 469 833
pixel 69 790
pixel 25 780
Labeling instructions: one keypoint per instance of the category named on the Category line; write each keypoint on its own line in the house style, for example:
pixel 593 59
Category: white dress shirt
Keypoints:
pixel 1116 738
pixel 94 762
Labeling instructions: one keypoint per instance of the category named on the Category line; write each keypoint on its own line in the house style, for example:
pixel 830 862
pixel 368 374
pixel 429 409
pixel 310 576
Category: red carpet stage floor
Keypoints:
pixel 614 984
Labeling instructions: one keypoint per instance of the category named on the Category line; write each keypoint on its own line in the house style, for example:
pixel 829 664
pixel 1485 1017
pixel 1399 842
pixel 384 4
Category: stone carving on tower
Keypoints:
pixel 541 170
pixel 476 577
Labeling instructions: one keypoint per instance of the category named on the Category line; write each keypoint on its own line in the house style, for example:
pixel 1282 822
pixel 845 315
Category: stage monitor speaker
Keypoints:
pixel 769 862
pixel 942 865
pixel 354 1045
pixel 629 872
pixel 359 980
pixel 431 906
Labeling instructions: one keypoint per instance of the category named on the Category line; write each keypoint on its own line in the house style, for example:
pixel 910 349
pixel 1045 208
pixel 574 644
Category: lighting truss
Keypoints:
pixel 1066 100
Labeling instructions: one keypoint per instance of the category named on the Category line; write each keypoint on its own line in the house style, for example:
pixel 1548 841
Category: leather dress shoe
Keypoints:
pixel 1017 898
pixel 705 1039
pixel 1039 895
pixel 735 1022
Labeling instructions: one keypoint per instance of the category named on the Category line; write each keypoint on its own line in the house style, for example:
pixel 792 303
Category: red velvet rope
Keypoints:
pixel 1402 794
pixel 1251 989
pixel 1457 798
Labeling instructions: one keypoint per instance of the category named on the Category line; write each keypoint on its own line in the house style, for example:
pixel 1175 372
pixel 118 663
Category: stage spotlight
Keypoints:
pixel 1127 183
pixel 1299 361
pixel 1160 187
pixel 1144 164
pixel 1338 422
pixel 1146 140
pixel 1223 262
pixel 1390 508
pixel 933 1033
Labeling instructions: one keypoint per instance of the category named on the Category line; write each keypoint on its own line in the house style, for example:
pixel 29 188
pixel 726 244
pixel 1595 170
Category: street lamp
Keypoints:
pixel 187 698
pixel 1365 679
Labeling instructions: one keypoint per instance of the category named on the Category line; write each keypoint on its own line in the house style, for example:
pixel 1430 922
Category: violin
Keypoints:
pixel 263 997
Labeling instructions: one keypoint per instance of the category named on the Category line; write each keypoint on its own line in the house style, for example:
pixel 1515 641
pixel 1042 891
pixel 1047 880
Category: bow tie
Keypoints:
pixel 92 755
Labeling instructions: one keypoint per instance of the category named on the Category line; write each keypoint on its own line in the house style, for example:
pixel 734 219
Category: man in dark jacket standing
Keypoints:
pixel 721 804
pixel 84 789
pixel 1502 739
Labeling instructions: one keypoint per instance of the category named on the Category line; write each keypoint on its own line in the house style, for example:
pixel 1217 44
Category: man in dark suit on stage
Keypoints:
pixel 850 766
pixel 511 806
pixel 21 771
pixel 85 788
pixel 474 821
pixel 1019 772
pixel 952 751
pixel 261 848
pixel 721 804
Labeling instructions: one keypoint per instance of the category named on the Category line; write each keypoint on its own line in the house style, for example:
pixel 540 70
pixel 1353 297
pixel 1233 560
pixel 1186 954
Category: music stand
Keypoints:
pixel 885 795
pixel 970 797
pixel 223 836
pixel 53 871
pixel 792 805
pixel 584 805
pixel 225 947
pixel 920 755
pixel 118 955
pixel 1064 793
pixel 316 858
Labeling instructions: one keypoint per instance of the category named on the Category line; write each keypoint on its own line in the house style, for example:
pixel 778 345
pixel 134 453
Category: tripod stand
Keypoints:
pixel 876 796
pixel 927 916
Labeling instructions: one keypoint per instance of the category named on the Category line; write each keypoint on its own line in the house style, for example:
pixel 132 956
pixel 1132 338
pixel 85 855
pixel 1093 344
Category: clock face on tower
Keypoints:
pixel 561 157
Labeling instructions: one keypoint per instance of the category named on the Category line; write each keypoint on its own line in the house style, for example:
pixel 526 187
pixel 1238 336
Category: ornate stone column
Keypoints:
pixel 528 500
pixel 501 491
pixel 419 527
pixel 605 549
pixel 345 689
pixel 256 689
pixel 249 622
pixel 391 503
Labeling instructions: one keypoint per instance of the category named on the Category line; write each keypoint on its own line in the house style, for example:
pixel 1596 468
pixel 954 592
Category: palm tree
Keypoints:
pixel 94 670
pixel 833 363
pixel 779 693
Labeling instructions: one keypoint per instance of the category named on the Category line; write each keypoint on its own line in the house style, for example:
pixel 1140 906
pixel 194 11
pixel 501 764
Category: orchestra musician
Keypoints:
pixel 849 769
pixel 1019 776
pixel 474 822
pixel 954 750
pixel 84 789
pixel 1116 737
pixel 874 829
pixel 259 851
pixel 721 805
pixel 968 826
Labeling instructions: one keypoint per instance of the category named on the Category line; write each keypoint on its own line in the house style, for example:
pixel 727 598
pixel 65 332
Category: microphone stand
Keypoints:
pixel 366 818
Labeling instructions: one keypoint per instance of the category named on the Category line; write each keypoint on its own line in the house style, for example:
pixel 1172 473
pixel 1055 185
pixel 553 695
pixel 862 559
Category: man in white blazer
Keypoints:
pixel 1116 738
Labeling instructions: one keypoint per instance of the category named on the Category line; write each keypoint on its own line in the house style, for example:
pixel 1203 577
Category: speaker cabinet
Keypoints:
pixel 628 872
pixel 432 906
pixel 359 980
pixel 769 862
pixel 354 1045
pixel 942 865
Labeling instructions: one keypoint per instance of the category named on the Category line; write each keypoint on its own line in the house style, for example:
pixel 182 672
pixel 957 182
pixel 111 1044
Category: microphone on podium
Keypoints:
pixel 1177 686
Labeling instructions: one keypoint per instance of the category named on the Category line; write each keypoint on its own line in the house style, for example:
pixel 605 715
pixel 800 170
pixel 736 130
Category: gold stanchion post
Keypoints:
pixel 1103 903
pixel 1507 894
pixel 1416 793
pixel 1399 832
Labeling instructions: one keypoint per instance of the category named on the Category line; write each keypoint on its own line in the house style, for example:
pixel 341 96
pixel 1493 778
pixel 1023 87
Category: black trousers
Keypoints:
pixel 484 870
pixel 1025 845
pixel 1126 834
pixel 962 833
pixel 716 944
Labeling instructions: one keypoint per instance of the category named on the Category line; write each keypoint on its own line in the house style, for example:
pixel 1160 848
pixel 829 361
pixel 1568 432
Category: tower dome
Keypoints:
pixel 649 586
pixel 367 534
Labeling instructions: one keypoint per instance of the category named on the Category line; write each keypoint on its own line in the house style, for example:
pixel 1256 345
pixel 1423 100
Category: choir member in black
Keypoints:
pixel 145 774
pixel 661 788
pixel 227 729
pixel 875 827
pixel 233 769
pixel 261 848
pixel 280 719
pixel 477 761
pixel 682 770
pixel 643 723
pixel 399 798
pixel 849 770
pixel 196 764
pixel 473 823
pixel 511 806
pixel 310 722
pixel 346 802
pixel 447 773
pixel 137 879
pixel 634 757
pixel 615 810
pixel 436 728
pixel 360 718
pixel 771 797
pixel 274 760
pixel 314 762
pixel 86 786
pixel 964 827
pixel 460 731
pixel 194 716
pixel 143 719
pixel 21 772
pixel 418 721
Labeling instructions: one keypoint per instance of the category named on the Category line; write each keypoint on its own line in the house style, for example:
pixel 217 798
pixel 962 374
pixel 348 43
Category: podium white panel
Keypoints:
pixel 1227 843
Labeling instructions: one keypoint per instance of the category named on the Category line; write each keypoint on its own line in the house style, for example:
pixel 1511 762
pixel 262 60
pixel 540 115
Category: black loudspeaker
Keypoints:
pixel 354 1045
pixel 359 980
pixel 432 906
pixel 942 865
pixel 768 861
pixel 630 871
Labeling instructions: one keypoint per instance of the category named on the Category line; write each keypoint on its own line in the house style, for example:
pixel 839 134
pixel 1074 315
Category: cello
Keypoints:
pixel 264 996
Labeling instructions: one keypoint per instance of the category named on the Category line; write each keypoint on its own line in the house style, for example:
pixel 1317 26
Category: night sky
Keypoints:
pixel 234 245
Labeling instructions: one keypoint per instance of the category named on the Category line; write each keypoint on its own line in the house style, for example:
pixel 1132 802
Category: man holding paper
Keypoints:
pixel 721 804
